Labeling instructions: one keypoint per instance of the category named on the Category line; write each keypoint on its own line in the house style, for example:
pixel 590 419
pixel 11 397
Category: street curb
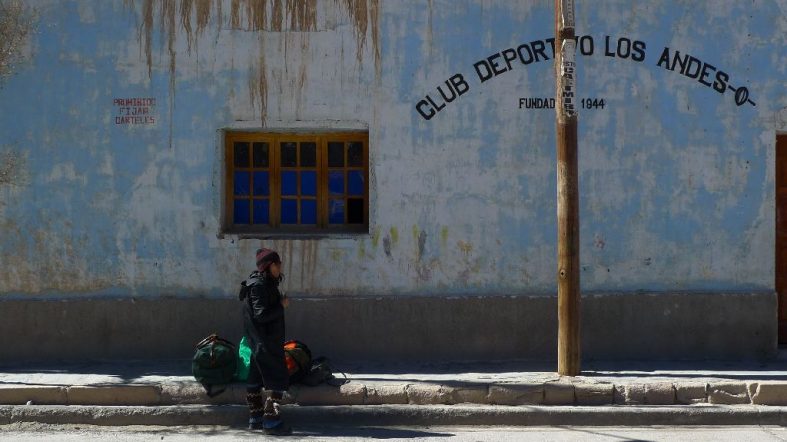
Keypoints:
pixel 556 393
pixel 394 415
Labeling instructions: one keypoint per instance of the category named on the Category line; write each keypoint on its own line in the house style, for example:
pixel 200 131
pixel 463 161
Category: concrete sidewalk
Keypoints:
pixel 165 383
pixel 401 415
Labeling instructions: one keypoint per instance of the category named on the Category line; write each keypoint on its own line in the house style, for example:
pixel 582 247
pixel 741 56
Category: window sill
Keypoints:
pixel 297 235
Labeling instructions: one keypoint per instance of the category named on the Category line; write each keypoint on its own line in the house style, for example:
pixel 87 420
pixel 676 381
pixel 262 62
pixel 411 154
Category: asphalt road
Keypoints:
pixel 44 432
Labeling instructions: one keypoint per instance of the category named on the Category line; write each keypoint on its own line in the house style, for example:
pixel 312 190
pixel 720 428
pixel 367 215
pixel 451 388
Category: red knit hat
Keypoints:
pixel 265 257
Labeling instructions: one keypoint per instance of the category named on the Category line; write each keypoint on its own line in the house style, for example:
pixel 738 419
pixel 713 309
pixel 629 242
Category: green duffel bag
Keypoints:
pixel 214 364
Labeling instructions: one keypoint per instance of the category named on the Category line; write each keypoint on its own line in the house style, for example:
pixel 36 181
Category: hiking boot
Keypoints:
pixel 255 423
pixel 273 427
pixel 272 422
pixel 280 429
pixel 254 401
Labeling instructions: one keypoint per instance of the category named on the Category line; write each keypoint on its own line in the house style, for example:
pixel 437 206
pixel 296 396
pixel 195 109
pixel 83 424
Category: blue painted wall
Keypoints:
pixel 676 179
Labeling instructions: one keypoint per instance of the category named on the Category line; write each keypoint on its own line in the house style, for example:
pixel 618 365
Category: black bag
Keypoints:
pixel 305 370
pixel 322 371
pixel 214 364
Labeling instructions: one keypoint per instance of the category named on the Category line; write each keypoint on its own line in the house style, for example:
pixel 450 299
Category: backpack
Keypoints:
pixel 307 371
pixel 322 372
pixel 214 364
pixel 298 358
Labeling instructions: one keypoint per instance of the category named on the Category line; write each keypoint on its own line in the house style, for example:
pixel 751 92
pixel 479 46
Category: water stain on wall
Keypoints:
pixel 202 11
pixel 16 26
pixel 387 245
pixel 25 272
pixel 390 240
pixel 364 13
pixel 464 247
pixel 12 166
pixel 260 16
pixel 301 255
pixel 423 268
pixel 308 258
pixel 430 29
pixel 375 238
pixel 14 175
pixel 362 249
pixel 258 82
pixel 470 265
pixel 419 237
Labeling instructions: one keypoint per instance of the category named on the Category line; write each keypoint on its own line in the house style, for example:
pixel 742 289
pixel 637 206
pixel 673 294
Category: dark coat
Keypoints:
pixel 263 325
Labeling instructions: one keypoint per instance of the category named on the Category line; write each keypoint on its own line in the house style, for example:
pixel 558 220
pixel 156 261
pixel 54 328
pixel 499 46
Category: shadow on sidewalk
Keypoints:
pixel 369 432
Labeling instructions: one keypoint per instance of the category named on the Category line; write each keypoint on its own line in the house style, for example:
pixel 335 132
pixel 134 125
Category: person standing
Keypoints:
pixel 263 325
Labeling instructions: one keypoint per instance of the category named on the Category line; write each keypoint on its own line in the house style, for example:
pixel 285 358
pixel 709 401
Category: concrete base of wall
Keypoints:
pixel 659 326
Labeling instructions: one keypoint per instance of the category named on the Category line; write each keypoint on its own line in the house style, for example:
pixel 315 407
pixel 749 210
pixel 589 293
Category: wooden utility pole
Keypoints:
pixel 568 295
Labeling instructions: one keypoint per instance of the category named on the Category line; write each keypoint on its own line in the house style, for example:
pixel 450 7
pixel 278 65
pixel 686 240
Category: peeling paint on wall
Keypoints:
pixel 258 82
pixel 12 167
pixel 363 14
pixel 16 26
pixel 443 236
pixel 280 16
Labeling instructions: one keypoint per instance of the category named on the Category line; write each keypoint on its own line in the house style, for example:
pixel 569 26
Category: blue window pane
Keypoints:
pixel 289 183
pixel 261 184
pixel 261 211
pixel 289 211
pixel 241 211
pixel 355 182
pixel 336 211
pixel 242 181
pixel 308 211
pixel 336 183
pixel 309 183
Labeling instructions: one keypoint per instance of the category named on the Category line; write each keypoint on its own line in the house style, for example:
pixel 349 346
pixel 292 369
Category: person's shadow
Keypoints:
pixel 368 432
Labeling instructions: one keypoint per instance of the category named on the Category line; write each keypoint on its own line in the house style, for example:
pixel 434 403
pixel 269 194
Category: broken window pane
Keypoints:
pixel 336 211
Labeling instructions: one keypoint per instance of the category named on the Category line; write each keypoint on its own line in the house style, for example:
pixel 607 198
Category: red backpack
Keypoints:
pixel 298 358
